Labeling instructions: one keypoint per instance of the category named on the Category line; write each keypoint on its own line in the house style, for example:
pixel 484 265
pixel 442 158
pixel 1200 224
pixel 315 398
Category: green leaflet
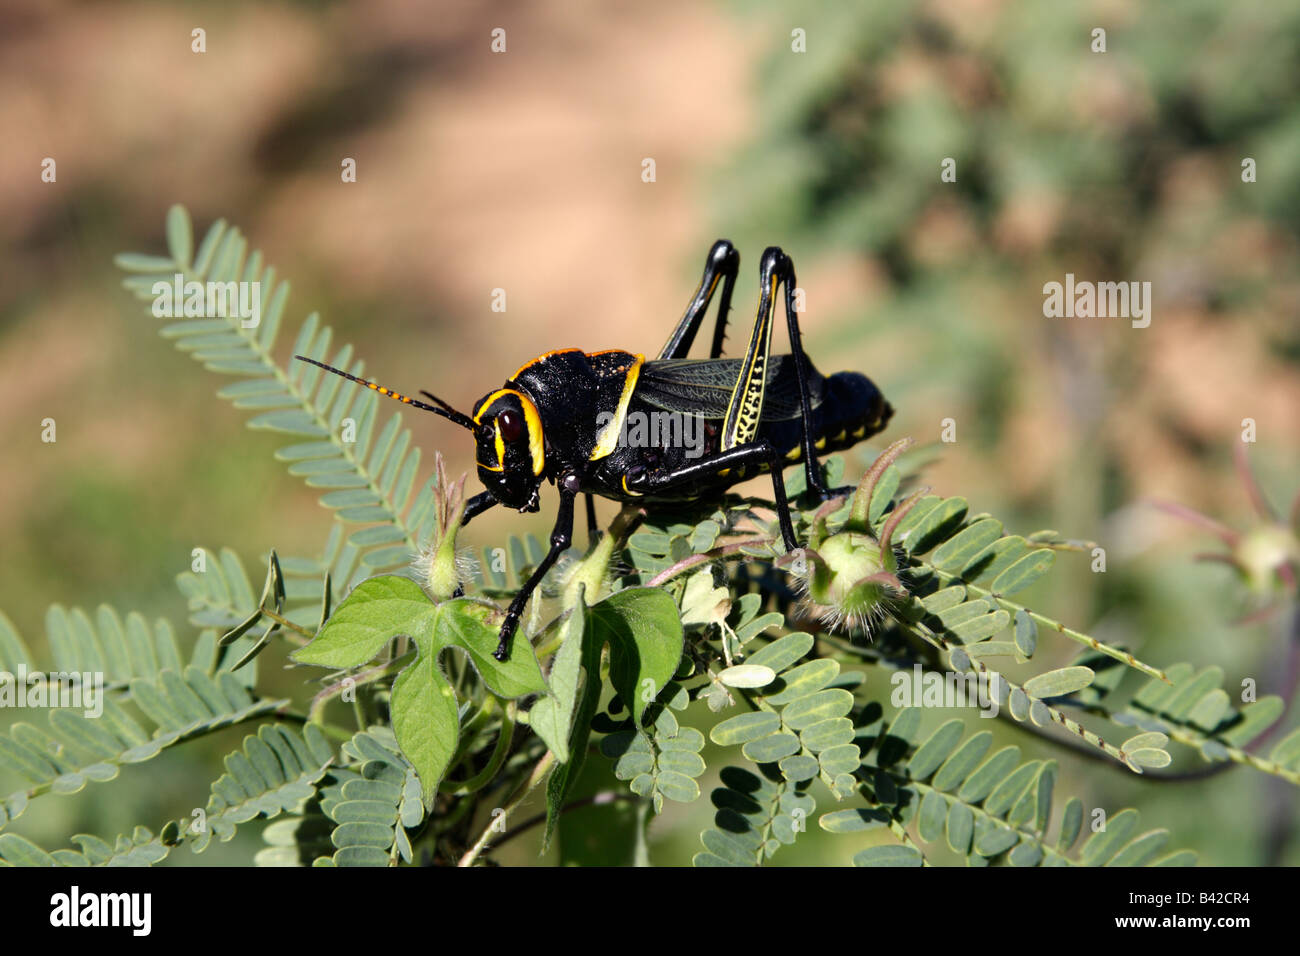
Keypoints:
pixel 1058 683
pixel 888 855
pixel 1024 572
pixel 12 649
pixel 662 766
pixel 278 773
pixel 373 478
pixel 934 526
pixel 959 550
pixel 77 751
pixel 995 810
pixel 757 814
pixel 371 804
pixel 806 733
pixel 141 848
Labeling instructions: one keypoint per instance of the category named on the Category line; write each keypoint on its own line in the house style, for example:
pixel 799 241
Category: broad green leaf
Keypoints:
pixel 424 708
pixel 376 611
pixel 644 633
pixel 552 716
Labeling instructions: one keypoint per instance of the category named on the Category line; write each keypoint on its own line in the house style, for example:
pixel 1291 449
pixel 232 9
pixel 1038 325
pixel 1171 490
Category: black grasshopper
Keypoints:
pixel 564 418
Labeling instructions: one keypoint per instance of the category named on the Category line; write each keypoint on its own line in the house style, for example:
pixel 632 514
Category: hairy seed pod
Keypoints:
pixel 851 578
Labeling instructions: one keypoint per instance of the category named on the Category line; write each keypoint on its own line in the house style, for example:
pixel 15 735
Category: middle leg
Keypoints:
pixel 755 453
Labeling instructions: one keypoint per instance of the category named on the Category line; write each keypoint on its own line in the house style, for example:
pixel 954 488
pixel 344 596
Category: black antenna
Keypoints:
pixel 446 411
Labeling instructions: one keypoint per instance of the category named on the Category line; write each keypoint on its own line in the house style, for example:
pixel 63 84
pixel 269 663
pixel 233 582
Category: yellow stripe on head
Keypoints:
pixel 532 421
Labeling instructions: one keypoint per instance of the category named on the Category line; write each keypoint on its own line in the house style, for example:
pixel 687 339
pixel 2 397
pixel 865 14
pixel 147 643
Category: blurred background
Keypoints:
pixel 522 171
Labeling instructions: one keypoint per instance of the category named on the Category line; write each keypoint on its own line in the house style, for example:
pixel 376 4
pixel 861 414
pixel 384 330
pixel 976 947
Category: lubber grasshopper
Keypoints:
pixel 559 418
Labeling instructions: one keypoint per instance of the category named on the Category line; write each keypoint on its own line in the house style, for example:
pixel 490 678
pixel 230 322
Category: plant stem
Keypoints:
pixel 602 798
pixel 539 773
pixel 685 564
pixel 285 622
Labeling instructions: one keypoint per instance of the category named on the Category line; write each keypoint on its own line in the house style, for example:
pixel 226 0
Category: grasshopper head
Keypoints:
pixel 511 454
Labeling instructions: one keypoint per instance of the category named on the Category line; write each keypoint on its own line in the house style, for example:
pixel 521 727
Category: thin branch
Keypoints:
pixel 601 799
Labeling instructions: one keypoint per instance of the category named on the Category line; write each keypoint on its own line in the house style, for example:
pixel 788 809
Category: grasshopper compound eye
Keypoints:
pixel 511 424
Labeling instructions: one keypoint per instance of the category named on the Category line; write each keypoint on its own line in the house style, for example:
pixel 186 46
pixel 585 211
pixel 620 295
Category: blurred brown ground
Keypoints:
pixel 476 171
